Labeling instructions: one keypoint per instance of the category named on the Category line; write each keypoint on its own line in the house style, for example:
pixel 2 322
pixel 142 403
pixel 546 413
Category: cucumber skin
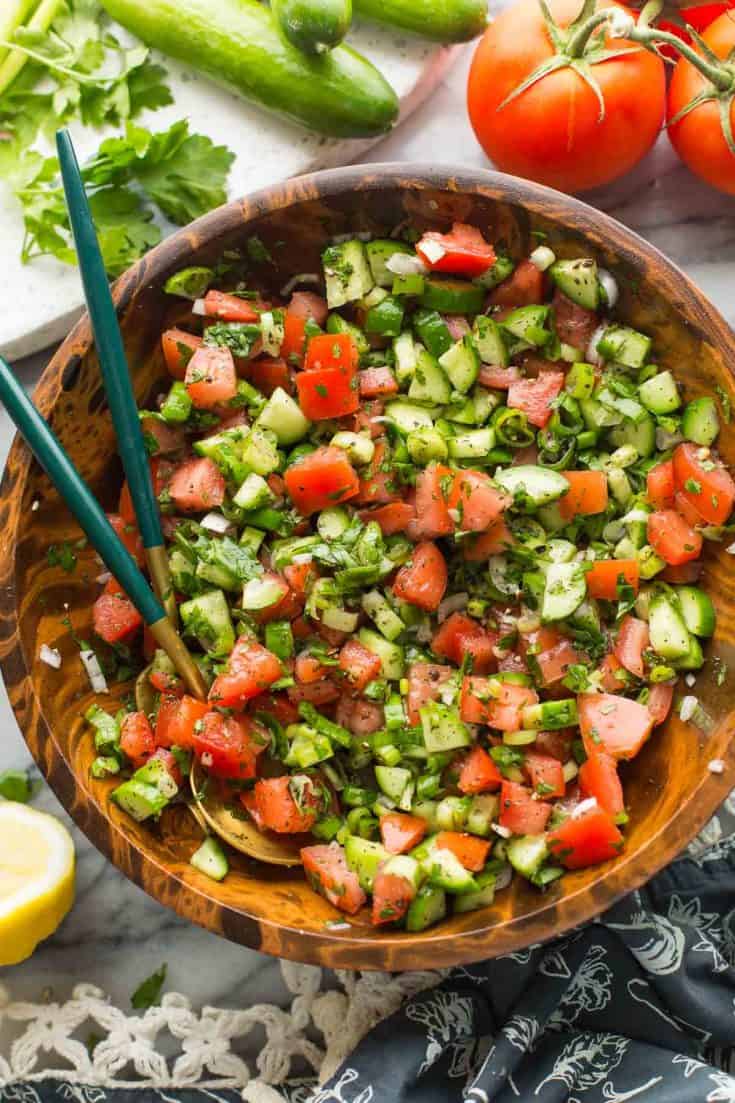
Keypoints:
pixel 313 26
pixel 440 20
pixel 237 44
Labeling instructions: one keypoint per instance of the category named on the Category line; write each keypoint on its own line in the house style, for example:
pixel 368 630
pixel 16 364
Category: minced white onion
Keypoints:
pixel 94 671
pixel 215 522
pixel 340 239
pixel 690 680
pixel 730 549
pixel 528 621
pixel 50 656
pixel 103 578
pixel 542 257
pixel 300 277
pixel 451 605
pixel 666 440
pixel 424 633
pixel 455 516
pixel 635 515
pixel 35 505
pixel 405 264
pixel 687 708
pixel 207 760
pixel 584 806
pixel 504 832
pixel 432 250
pixel 593 357
pixel 197 307
pixel 504 878
pixel 609 286
pixel 716 766
pixel 302 557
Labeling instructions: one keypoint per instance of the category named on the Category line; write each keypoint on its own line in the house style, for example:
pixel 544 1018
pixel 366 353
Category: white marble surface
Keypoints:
pixel 116 935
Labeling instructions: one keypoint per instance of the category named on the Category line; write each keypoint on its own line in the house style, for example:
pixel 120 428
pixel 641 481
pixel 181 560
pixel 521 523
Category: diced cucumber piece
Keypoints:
pixel 452 296
pixel 577 279
pixel 273 331
pixel 347 273
pixel 659 394
pixel 412 285
pixel 669 636
pixel 392 780
pixel 527 853
pixel 404 352
pixel 364 857
pixel 386 620
pixel 482 898
pixel 640 434
pixel 177 405
pixel 442 728
pixel 428 907
pixel 483 812
pixel 307 747
pixel 461 363
pixel 225 449
pixel 403 865
pixel 429 384
pixel 216 574
pixel 560 551
pixel 445 871
pixel 103 766
pixel 649 563
pixel 359 447
pixel 189 283
pixel 498 272
pixel 282 416
pixel 332 522
pixel 373 298
pixel 619 485
pixel 488 338
pixel 694 658
pixel 697 610
pixel 531 486
pixel 527 324
pixel 106 729
pixel 426 445
pixel 279 639
pixel 324 603
pixel 261 593
pixel 581 380
pixel 597 416
pixel 408 416
pixel 259 451
pixel 207 617
pixel 253 493
pixel 337 324
pixel 624 346
pixel 154 772
pixel 452 812
pixel 586 616
pixel 565 590
pixel 551 715
pixel 385 318
pixel 183 571
pixel 379 253
pixel 432 331
pixel 390 654
pixel 139 800
pixel 210 859
pixel 700 422
pixel 472 445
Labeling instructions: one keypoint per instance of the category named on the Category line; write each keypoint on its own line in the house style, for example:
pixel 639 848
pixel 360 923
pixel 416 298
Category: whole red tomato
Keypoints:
pixel 554 131
pixel 699 136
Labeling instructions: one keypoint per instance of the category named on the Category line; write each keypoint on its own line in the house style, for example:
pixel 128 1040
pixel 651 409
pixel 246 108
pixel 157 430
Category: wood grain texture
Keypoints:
pixel 670 789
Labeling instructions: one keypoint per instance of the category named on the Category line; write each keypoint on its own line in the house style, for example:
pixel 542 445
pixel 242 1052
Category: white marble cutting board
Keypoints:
pixel 43 299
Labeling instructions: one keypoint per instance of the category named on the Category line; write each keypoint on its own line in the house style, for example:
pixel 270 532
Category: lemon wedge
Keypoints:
pixel 36 879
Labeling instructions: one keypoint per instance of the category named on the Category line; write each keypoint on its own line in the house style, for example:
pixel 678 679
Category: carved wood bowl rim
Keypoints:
pixel 440 946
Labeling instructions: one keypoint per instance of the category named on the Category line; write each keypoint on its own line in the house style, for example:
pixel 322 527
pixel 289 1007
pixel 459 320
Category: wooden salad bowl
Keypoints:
pixel 670 789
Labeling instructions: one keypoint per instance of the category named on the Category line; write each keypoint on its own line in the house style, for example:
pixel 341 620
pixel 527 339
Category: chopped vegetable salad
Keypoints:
pixel 436 539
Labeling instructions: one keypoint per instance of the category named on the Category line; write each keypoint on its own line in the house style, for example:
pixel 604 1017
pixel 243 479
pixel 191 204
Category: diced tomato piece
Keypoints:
pixel 462 251
pixel 210 377
pixel 178 349
pixel 660 485
pixel 176 720
pixel 613 675
pixel 524 287
pixel 632 641
pixel 327 392
pixel 476 549
pixel 423 580
pixel 683 573
pixel 137 740
pixel 478 773
pixel 401 832
pixel 545 773
pixel 392 517
pixel 228 746
pixel 705 483
pixel 300 576
pixel 613 724
pixel 604 575
pixel 659 702
pixel 574 324
pixel 425 681
pixel 308 669
pixel 587 493
pixel 322 478
pixel 277 809
pixel 267 373
pixel 128 533
pixel 197 485
pixel 459 636
pixel 685 506
pixel 550 652
pixel 598 778
pixel 586 838
pixel 476 500
pixel 166 682
pixel 478 705
pixel 168 439
pixel 230 308
pixel 328 873
pixel 360 665
pixel 304 305
pixel 534 396
pixel 499 378
pixel 520 812
pixel 392 896
pixel 251 668
pixel 316 693
pixel 672 538
pixel 288 606
pixel 331 350
pixel 432 519
pixel 169 761
pixel 114 617
pixel 377 381
pixel 558 744
pixel 378 484
pixel 468 849
pixel 161 473
pixel 278 705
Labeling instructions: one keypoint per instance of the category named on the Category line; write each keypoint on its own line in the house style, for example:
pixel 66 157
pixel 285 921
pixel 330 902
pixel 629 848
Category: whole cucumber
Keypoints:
pixel 237 44
pixel 313 26
pixel 442 20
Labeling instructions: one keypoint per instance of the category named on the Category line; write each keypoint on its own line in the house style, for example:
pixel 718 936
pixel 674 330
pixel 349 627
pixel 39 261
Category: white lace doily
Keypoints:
pixel 172 1046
